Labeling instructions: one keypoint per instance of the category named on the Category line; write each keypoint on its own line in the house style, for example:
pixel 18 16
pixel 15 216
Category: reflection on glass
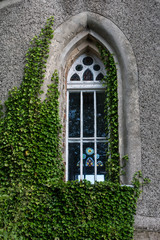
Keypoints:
pixel 88 162
pixel 100 98
pixel 101 161
pixel 100 178
pixel 88 178
pixel 88 114
pixel 88 75
pixel 74 114
pixel 74 159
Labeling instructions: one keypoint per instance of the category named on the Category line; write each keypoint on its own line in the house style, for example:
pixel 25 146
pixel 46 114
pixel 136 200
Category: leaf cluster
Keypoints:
pixel 34 201
pixel 30 144
pixel 111 115
pixel 73 210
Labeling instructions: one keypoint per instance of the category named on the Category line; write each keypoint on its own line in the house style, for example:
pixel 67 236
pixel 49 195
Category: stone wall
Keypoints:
pixel 145 235
pixel 20 20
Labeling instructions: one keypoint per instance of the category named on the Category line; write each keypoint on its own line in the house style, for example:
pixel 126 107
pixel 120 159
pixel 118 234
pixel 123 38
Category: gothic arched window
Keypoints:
pixel 86 141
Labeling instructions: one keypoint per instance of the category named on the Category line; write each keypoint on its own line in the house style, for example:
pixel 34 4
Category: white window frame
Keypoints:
pixel 84 86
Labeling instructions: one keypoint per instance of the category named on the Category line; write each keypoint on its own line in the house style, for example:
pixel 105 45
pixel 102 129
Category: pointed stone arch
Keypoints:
pixel 81 33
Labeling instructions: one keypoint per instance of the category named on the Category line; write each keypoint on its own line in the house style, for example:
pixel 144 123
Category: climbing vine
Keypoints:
pixel 111 115
pixel 30 144
pixel 35 202
pixel 30 129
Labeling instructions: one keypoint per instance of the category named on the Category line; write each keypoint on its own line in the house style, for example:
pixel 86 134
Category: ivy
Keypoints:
pixel 111 115
pixel 30 144
pixel 35 203
pixel 30 129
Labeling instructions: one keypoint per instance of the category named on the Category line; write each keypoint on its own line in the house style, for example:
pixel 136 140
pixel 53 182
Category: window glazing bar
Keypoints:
pixel 81 136
pixel 95 133
pixel 67 129
pixel 87 138
pixel 86 87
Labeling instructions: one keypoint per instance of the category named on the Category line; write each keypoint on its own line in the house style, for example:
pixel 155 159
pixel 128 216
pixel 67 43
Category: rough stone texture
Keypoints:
pixel 84 30
pixel 5 3
pixel 139 21
pixel 139 235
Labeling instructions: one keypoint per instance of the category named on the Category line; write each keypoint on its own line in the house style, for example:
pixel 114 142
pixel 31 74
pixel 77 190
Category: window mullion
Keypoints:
pixel 81 137
pixel 95 135
pixel 67 131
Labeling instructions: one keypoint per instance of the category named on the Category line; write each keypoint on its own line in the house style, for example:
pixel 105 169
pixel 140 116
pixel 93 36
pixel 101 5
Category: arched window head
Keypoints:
pixel 86 68
pixel 89 28
pixel 86 142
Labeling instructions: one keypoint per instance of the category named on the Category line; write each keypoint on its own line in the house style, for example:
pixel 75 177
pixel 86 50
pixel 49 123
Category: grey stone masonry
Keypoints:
pixel 136 21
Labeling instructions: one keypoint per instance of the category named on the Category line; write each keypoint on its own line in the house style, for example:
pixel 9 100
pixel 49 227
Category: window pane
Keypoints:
pixel 75 77
pixel 87 61
pixel 79 67
pixel 100 98
pixel 74 114
pixel 88 75
pixel 74 160
pixel 101 159
pixel 96 67
pixel 99 77
pixel 88 114
pixel 88 161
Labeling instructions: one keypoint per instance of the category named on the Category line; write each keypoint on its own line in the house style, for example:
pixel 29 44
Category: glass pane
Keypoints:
pixel 79 67
pixel 75 77
pixel 88 75
pixel 96 67
pixel 74 161
pixel 74 114
pixel 99 77
pixel 100 98
pixel 101 160
pixel 87 61
pixel 88 114
pixel 88 161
